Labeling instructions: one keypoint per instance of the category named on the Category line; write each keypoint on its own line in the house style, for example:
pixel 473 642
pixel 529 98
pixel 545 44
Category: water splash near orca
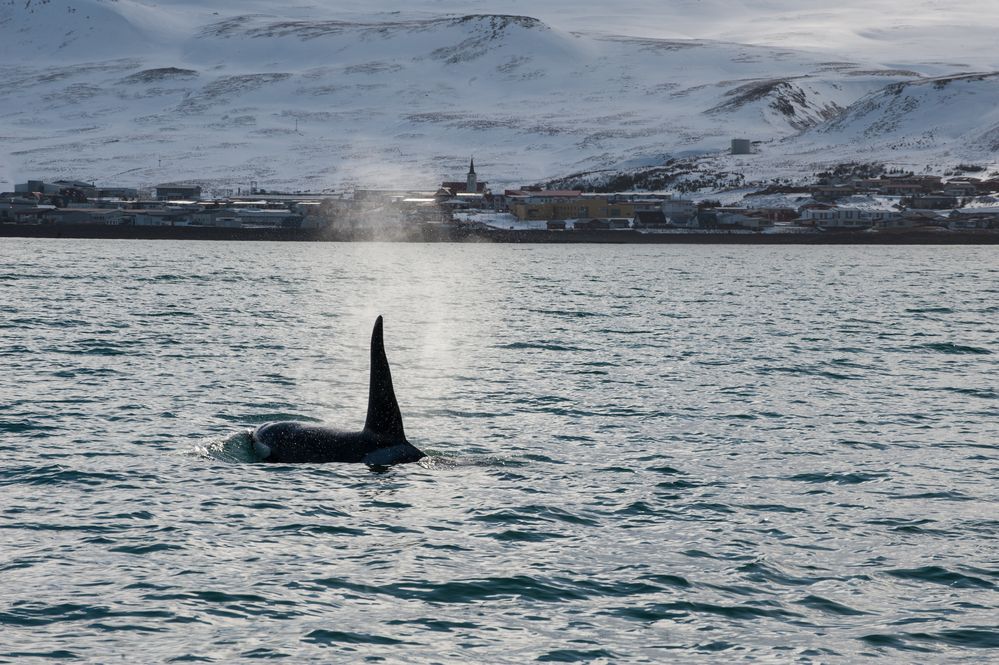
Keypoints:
pixel 234 449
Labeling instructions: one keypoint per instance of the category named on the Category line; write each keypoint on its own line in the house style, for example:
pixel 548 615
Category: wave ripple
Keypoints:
pixel 636 454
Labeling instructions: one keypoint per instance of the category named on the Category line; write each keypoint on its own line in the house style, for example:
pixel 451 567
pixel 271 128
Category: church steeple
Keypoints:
pixel 471 184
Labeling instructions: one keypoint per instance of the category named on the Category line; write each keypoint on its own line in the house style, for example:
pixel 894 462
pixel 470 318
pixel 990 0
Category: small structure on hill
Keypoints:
pixel 742 147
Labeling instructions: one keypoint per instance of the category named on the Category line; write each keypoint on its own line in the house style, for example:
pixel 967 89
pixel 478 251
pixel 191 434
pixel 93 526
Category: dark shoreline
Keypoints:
pixel 458 234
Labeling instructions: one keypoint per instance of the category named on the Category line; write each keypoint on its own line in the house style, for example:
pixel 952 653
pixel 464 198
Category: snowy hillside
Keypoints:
pixel 314 96
pixel 960 113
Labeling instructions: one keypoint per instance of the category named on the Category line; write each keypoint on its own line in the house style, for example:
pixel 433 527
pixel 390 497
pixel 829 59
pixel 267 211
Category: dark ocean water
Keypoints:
pixel 638 454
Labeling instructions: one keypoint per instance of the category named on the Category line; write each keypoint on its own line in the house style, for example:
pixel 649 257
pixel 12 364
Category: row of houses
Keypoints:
pixel 181 204
pixel 739 219
pixel 921 191
pixel 845 218
pixel 574 210
pixel 81 191
pixel 76 203
pixel 193 215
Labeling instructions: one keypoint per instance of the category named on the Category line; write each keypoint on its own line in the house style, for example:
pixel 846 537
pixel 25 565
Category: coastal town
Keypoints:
pixel 848 199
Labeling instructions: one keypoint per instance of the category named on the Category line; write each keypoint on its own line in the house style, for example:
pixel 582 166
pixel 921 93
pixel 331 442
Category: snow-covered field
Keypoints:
pixel 386 94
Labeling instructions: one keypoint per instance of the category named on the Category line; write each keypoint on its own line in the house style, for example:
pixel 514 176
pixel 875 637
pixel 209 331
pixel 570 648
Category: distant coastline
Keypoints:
pixel 441 233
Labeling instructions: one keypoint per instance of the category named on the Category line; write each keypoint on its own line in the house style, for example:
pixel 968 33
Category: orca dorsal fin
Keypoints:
pixel 384 417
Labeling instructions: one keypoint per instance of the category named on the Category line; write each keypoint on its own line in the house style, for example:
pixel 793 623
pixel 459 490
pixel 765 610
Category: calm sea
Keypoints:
pixel 637 454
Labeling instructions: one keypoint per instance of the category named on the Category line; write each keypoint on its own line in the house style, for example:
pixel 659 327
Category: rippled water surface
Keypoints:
pixel 637 454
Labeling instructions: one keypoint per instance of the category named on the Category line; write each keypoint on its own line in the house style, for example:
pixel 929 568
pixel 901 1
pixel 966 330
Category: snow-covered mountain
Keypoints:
pixel 958 113
pixel 314 96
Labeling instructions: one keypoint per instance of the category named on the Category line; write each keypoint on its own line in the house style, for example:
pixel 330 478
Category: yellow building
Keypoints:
pixel 570 205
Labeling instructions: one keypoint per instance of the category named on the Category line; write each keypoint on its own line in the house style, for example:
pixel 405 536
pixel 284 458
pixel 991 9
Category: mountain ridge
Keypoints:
pixel 228 94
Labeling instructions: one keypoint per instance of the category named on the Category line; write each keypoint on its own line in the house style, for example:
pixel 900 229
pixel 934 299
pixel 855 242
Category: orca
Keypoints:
pixel 382 442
